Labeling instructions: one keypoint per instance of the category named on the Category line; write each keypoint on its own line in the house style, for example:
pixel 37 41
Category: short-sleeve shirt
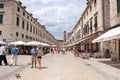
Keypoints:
pixel 15 50
pixel 1 53
pixel 34 52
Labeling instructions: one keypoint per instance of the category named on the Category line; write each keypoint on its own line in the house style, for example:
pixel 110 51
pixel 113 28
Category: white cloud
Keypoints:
pixel 57 15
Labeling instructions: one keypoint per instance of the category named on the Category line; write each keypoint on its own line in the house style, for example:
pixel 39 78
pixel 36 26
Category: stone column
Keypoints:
pixel 114 50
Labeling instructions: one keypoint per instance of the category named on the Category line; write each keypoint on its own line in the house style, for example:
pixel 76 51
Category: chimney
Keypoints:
pixel 19 2
pixel 36 19
pixel 24 7
pixel 30 14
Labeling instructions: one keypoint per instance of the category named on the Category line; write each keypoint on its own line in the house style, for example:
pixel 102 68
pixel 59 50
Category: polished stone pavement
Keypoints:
pixel 67 67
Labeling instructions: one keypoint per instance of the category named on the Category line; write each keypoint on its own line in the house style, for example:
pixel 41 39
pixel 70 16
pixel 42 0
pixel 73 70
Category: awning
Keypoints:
pixel 109 35
pixel 1 42
pixel 17 43
pixel 81 40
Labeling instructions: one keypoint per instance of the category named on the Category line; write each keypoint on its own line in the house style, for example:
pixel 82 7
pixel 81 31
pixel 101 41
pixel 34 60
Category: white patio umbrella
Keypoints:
pixel 53 45
pixel 17 43
pixel 45 44
pixel 1 42
pixel 33 43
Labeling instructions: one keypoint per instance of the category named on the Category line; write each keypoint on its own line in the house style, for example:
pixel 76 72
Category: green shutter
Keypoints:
pixel 88 27
pixel 118 6
pixel 1 18
pixel 1 5
pixel 91 25
pixel 17 34
pixel 95 21
pixel 17 21
pixel 0 32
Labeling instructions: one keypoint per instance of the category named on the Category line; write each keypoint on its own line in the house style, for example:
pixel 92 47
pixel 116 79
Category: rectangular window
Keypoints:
pixel 18 9
pixel 95 22
pixel 90 25
pixel 17 34
pixel 33 29
pixel 0 32
pixel 27 17
pixel 27 37
pixel 118 6
pixel 17 21
pixel 23 24
pixel 1 5
pixel 23 13
pixel 30 38
pixel 22 35
pixel 1 18
pixel 86 28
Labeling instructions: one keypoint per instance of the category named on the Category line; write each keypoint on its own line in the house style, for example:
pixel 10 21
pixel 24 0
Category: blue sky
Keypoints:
pixel 57 15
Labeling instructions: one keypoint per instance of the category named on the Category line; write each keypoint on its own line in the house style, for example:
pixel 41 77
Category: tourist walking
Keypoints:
pixel 0 55
pixel 52 51
pixel 34 54
pixel 4 51
pixel 39 56
pixel 3 55
pixel 14 54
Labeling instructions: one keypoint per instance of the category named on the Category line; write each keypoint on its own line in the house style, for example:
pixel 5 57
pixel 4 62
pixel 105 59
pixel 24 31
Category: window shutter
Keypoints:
pixel 1 5
pixel 91 25
pixel 118 6
pixel 95 22
pixel 17 21
pixel 1 18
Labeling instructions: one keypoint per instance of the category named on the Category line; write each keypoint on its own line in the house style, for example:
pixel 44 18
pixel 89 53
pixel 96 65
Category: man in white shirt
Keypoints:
pixel 4 50
pixel 3 55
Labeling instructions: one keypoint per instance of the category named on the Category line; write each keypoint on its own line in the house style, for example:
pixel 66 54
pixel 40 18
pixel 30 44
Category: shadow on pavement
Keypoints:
pixel 44 67
pixel 15 65
pixel 112 63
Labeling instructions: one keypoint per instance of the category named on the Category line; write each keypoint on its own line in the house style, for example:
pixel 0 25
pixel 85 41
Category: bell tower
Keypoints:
pixel 64 35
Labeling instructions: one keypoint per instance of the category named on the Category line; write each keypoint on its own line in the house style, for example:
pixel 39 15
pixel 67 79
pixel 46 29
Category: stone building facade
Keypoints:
pixel 99 17
pixel 91 25
pixel 114 44
pixel 18 24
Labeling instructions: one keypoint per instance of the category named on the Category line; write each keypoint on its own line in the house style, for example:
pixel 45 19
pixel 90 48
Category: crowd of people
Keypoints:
pixel 14 54
pixel 36 53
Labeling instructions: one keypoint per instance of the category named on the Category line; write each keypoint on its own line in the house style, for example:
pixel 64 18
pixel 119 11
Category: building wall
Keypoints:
pixel 100 8
pixel 114 22
pixel 7 20
pixel 114 15
pixel 9 28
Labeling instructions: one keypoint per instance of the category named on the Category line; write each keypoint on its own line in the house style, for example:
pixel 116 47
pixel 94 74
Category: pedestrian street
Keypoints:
pixel 67 67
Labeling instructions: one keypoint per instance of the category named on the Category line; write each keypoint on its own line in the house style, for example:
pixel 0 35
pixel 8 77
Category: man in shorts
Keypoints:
pixel 34 55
